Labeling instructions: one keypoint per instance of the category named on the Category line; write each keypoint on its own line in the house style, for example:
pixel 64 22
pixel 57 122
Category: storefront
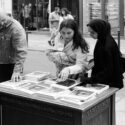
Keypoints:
pixel 85 10
pixel 110 10
pixel 32 14
pixel 71 5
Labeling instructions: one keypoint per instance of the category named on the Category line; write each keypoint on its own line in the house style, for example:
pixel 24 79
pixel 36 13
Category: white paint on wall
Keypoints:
pixel 6 6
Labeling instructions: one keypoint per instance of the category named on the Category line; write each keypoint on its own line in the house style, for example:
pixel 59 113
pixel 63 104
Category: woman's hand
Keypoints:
pixel 16 77
pixel 64 74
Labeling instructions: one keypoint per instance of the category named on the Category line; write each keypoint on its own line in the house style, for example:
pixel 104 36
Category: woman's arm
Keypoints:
pixel 81 63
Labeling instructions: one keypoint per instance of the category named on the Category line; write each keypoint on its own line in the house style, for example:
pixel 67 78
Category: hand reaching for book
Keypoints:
pixel 64 74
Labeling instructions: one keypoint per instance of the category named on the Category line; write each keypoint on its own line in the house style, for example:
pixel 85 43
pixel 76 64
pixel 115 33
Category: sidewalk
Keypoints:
pixel 36 60
pixel 39 41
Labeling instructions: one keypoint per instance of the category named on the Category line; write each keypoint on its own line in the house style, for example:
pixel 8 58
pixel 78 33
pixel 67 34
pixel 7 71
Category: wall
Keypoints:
pixel 6 6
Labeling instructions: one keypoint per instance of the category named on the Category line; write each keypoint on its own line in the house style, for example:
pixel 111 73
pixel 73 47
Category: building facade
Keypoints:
pixel 33 14
pixel 110 10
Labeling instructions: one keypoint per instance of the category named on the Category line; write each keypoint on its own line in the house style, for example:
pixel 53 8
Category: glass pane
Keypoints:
pixel 91 10
pixel 43 14
pixel 32 14
pixel 112 14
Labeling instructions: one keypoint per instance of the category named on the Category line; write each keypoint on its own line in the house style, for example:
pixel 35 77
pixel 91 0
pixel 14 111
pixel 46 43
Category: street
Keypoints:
pixel 37 61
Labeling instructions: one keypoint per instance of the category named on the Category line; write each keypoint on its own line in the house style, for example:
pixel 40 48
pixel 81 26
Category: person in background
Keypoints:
pixel 73 57
pixel 54 23
pixel 13 48
pixel 107 66
pixel 54 17
pixel 66 14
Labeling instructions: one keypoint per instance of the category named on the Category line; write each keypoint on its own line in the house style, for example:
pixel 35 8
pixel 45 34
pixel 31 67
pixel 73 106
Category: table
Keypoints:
pixel 18 108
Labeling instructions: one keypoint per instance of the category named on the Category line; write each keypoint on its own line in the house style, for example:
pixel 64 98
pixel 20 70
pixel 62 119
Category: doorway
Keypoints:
pixel 32 14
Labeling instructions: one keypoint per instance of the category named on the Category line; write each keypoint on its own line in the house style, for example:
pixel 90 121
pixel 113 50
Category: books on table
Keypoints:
pixel 81 94
pixel 37 76
pixel 43 84
pixel 53 92
pixel 97 88
pixel 12 85
pixel 76 101
pixel 67 84
pixel 78 96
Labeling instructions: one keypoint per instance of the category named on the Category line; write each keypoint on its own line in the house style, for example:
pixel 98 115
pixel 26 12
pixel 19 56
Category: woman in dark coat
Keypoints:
pixel 107 66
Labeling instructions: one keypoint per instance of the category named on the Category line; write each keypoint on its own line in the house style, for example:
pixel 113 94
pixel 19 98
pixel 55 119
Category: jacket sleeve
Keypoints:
pixel 19 44
pixel 81 63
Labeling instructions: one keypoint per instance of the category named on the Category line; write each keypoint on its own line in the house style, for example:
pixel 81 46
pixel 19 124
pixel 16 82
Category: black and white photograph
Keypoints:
pixel 62 62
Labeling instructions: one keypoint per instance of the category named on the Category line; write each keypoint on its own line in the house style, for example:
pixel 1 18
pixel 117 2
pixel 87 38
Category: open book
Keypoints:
pixel 76 101
pixel 97 88
pixel 67 84
pixel 52 92
pixel 13 85
pixel 78 96
pixel 37 76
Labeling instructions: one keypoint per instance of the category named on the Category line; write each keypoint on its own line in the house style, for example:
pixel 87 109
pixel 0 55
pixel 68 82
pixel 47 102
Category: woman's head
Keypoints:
pixel 64 11
pixel 68 29
pixel 70 32
pixel 99 28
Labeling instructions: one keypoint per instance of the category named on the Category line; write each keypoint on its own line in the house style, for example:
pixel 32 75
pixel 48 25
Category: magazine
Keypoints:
pixel 97 88
pixel 13 85
pixel 47 83
pixel 37 76
pixel 76 101
pixel 25 87
pixel 79 94
pixel 67 84
pixel 52 92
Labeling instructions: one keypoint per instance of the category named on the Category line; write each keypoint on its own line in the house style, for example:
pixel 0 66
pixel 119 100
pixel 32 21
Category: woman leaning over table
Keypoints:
pixel 73 57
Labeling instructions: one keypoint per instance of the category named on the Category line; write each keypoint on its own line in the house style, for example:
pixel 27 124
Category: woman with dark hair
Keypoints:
pixel 107 66
pixel 73 57
pixel 66 14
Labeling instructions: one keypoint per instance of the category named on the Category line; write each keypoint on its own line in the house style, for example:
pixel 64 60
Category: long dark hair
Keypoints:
pixel 65 10
pixel 78 40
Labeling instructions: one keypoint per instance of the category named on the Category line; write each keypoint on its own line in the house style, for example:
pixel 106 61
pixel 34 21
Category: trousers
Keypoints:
pixel 6 71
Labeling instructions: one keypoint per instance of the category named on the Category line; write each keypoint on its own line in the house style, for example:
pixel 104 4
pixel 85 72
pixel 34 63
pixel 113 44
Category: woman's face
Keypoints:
pixel 67 34
pixel 63 12
pixel 93 34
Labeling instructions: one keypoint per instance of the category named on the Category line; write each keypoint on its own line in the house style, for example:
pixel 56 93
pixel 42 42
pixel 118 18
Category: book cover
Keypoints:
pixel 13 85
pixel 67 84
pixel 24 87
pixel 76 101
pixel 79 94
pixel 47 83
pixel 52 92
pixel 37 76
pixel 97 88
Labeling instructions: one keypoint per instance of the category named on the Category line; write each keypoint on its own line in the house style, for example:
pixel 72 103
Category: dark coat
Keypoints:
pixel 107 65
